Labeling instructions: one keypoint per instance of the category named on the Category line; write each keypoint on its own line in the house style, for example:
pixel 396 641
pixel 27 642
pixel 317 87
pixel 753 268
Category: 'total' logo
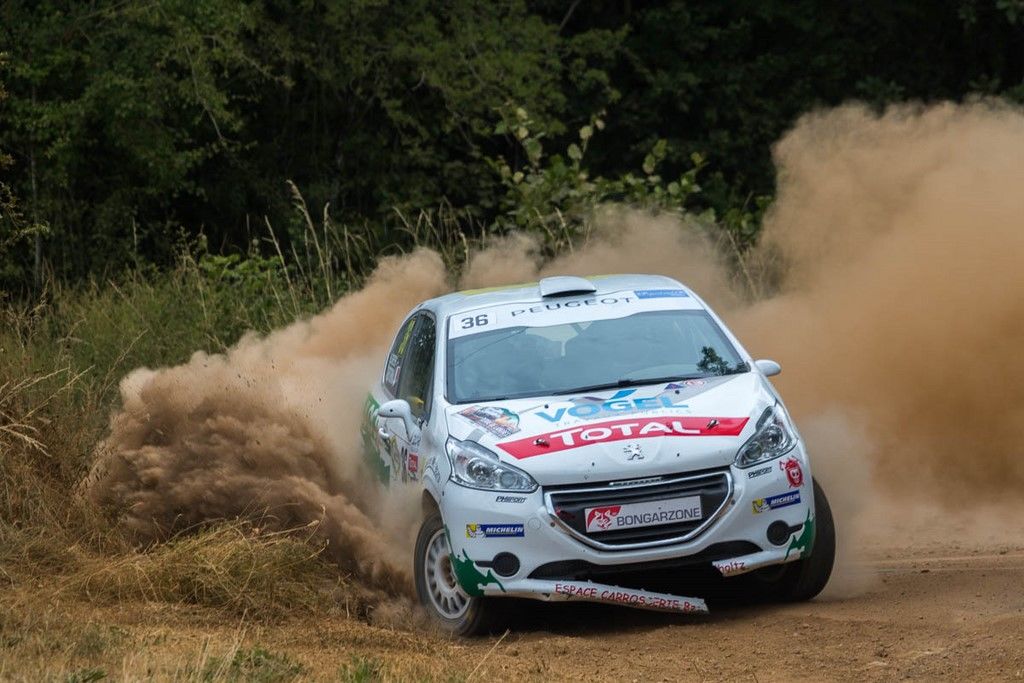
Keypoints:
pixel 602 517
pixel 619 430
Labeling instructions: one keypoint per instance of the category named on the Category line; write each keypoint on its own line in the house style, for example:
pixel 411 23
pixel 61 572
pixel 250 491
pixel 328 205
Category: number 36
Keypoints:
pixel 475 321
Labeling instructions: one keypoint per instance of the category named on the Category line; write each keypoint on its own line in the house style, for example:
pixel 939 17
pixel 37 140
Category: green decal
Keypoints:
pixel 371 454
pixel 405 336
pixel 805 540
pixel 472 580
pixel 499 288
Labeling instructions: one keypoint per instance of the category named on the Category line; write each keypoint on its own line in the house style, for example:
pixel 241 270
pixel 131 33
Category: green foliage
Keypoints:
pixel 142 121
pixel 553 195
pixel 361 670
pixel 742 223
pixel 89 675
pixel 116 109
pixel 727 79
pixel 255 664
pixel 95 639
pixel 15 229
pixel 129 129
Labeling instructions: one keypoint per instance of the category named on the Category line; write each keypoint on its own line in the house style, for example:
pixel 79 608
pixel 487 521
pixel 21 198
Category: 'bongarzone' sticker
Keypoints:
pixel 651 513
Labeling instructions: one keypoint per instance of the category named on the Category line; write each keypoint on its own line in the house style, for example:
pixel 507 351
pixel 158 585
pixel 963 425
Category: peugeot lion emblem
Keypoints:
pixel 633 452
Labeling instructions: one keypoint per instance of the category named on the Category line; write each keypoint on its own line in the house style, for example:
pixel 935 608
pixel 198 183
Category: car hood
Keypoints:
pixel 615 434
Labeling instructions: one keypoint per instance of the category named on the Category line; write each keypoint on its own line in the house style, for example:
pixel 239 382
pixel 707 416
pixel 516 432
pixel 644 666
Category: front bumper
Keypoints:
pixel 485 527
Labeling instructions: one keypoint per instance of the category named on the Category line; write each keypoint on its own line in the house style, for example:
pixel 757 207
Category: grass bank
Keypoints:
pixel 224 601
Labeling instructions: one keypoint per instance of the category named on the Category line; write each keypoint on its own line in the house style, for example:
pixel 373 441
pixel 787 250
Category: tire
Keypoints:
pixel 804 579
pixel 438 588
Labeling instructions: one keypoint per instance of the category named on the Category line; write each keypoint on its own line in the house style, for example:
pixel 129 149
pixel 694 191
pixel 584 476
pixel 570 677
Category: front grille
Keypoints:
pixel 568 505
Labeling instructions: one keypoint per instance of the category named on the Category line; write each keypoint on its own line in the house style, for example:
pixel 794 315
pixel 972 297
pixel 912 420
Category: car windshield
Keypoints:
pixel 648 347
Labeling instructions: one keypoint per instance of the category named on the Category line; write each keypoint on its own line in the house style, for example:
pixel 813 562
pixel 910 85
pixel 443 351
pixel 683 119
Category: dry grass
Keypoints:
pixel 232 567
pixel 64 637
pixel 226 601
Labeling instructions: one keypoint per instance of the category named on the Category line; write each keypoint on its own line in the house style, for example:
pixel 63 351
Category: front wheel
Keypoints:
pixel 805 578
pixel 437 584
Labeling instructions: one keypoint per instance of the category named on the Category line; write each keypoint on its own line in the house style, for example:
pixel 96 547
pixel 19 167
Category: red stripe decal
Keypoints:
pixel 620 430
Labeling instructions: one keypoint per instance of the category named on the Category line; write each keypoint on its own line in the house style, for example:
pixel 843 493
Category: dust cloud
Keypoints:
pixel 894 258
pixel 621 241
pixel 902 307
pixel 270 430
pixel 900 238
pixel 894 255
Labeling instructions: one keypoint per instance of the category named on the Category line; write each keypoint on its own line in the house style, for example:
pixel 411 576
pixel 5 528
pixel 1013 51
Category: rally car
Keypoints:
pixel 576 431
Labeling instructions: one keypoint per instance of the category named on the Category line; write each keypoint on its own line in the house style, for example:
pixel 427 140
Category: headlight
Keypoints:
pixel 773 438
pixel 476 467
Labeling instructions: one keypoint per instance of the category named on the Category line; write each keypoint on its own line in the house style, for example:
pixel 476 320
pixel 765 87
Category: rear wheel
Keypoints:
pixel 437 584
pixel 805 578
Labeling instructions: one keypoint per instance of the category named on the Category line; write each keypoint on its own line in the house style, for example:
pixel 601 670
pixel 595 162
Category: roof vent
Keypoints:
pixel 565 285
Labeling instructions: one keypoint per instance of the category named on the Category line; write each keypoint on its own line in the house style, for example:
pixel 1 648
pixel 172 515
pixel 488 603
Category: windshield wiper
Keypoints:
pixel 738 370
pixel 628 382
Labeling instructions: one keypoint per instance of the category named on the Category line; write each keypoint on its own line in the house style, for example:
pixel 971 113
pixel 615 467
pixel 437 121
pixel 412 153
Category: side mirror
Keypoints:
pixel 769 367
pixel 397 409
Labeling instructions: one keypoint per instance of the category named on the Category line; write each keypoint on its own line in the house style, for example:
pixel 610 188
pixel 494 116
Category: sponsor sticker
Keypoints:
pixel 621 403
pixel 608 300
pixel 434 469
pixel 391 374
pixel 371 442
pixel 758 472
pixel 620 430
pixel 794 473
pixel 659 293
pixel 775 502
pixel 495 531
pixel 574 310
pixel 406 334
pixel 686 383
pixel 499 421
pixel 672 396
pixel 412 464
pixel 579 590
pixel 731 567
pixel 510 499
pixel 652 513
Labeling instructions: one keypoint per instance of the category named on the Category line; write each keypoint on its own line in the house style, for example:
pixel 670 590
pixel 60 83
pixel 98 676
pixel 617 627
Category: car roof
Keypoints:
pixel 457 302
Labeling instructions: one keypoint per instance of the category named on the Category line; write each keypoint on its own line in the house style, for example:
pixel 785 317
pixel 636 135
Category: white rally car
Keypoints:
pixel 573 433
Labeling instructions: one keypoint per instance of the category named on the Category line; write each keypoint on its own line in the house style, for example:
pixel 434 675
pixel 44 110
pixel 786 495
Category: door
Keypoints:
pixel 410 377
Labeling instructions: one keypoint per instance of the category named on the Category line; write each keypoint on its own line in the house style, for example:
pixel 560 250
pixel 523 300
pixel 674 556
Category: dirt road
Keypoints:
pixel 938 598
pixel 956 617
pixel 930 595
